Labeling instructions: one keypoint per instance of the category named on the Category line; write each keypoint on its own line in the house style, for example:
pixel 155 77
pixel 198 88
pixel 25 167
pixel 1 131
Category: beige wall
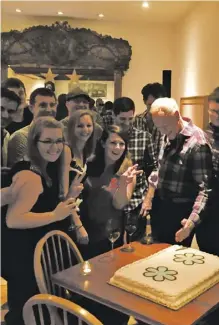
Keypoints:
pixel 197 51
pixel 151 46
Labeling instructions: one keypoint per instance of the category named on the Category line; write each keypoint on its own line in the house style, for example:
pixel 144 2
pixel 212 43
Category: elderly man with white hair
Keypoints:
pixel 185 171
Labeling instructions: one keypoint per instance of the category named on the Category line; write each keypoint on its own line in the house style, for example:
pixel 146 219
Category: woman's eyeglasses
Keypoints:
pixel 50 142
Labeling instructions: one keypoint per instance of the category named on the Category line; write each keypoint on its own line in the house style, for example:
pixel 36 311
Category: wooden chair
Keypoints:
pixel 54 253
pixel 35 303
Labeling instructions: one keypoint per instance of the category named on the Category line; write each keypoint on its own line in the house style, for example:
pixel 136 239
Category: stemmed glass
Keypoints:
pixel 130 228
pixel 113 233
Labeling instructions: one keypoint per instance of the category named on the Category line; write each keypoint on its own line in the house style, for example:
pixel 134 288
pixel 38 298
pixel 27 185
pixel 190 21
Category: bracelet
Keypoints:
pixel 78 227
pixel 191 224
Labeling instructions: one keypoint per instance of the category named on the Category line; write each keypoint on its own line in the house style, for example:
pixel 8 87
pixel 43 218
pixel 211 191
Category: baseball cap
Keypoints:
pixel 77 92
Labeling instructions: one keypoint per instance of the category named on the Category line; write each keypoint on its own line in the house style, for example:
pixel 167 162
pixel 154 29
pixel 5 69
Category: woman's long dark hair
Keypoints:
pixel 97 166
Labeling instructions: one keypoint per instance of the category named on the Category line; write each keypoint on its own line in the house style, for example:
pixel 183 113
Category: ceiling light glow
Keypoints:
pixel 60 13
pixel 145 4
pixel 101 15
pixel 18 10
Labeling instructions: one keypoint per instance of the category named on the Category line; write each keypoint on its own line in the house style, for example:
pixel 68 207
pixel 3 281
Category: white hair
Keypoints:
pixel 164 105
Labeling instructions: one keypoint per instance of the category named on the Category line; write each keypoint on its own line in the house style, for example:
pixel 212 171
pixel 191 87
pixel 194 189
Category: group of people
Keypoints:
pixel 121 169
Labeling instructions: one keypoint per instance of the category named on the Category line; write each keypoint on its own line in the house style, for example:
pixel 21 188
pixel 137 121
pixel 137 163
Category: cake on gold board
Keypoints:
pixel 172 277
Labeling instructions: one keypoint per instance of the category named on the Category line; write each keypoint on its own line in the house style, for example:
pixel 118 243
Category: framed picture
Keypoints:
pixel 95 89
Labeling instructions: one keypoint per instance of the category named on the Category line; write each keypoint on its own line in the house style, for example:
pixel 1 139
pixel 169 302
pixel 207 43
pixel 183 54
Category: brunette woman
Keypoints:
pixel 108 188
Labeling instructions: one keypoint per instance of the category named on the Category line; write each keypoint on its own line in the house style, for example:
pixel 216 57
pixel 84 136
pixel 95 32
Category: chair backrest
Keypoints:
pixel 67 308
pixel 55 252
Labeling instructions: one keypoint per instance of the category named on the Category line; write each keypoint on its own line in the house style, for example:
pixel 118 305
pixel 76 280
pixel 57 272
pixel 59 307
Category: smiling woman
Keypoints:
pixel 108 188
pixel 34 210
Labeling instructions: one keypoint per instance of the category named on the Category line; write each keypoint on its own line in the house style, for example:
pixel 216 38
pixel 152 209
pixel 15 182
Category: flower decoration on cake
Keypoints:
pixel 189 258
pixel 160 273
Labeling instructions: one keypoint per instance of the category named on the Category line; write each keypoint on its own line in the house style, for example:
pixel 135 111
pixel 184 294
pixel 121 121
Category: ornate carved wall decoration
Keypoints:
pixel 63 48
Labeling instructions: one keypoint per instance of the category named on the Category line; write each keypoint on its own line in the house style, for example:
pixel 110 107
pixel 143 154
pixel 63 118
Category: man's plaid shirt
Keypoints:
pixel 141 149
pixel 144 122
pixel 107 120
pixel 185 169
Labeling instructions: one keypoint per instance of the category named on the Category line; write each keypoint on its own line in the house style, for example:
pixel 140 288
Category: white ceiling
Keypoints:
pixel 114 11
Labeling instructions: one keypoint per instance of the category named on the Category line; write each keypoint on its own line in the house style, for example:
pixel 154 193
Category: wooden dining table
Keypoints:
pixel 96 286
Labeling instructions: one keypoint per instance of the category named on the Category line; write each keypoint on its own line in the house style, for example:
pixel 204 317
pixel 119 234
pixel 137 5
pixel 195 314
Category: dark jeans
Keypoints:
pixel 207 233
pixel 166 217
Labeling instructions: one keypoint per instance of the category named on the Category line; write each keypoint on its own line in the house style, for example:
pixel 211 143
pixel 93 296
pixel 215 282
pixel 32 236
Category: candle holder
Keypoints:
pixel 86 268
pixel 148 239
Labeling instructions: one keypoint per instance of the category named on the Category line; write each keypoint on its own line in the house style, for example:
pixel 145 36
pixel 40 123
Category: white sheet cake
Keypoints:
pixel 171 277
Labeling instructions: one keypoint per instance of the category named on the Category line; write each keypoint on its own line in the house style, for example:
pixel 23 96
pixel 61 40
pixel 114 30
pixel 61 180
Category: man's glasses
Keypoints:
pixel 50 142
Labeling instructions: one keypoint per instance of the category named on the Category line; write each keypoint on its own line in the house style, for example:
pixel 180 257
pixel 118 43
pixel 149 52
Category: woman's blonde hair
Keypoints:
pixel 37 162
pixel 91 142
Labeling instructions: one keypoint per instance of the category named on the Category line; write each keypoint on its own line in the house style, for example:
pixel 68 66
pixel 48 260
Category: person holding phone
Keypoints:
pixel 34 210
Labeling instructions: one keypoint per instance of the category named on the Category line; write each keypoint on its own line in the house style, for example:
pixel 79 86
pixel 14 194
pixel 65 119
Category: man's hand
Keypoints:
pixel 146 206
pixel 184 232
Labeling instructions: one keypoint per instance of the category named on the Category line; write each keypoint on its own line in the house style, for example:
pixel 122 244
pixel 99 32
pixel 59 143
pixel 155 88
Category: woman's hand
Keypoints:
pixel 184 232
pixel 64 209
pixel 82 236
pixel 130 174
pixel 76 186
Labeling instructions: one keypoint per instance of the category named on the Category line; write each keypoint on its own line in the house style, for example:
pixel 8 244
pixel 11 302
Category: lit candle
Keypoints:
pixel 86 268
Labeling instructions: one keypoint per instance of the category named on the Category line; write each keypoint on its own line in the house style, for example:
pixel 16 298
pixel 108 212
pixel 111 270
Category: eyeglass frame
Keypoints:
pixel 50 143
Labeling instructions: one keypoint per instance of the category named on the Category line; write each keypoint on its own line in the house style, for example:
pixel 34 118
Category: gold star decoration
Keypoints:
pixel 11 72
pixel 74 77
pixel 49 76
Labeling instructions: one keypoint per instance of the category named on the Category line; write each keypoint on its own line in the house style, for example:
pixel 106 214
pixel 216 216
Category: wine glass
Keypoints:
pixel 113 234
pixel 130 228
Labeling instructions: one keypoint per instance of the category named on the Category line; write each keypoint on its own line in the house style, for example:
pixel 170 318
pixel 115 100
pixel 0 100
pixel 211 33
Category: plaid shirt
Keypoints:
pixel 185 169
pixel 212 133
pixel 107 120
pixel 144 122
pixel 142 153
